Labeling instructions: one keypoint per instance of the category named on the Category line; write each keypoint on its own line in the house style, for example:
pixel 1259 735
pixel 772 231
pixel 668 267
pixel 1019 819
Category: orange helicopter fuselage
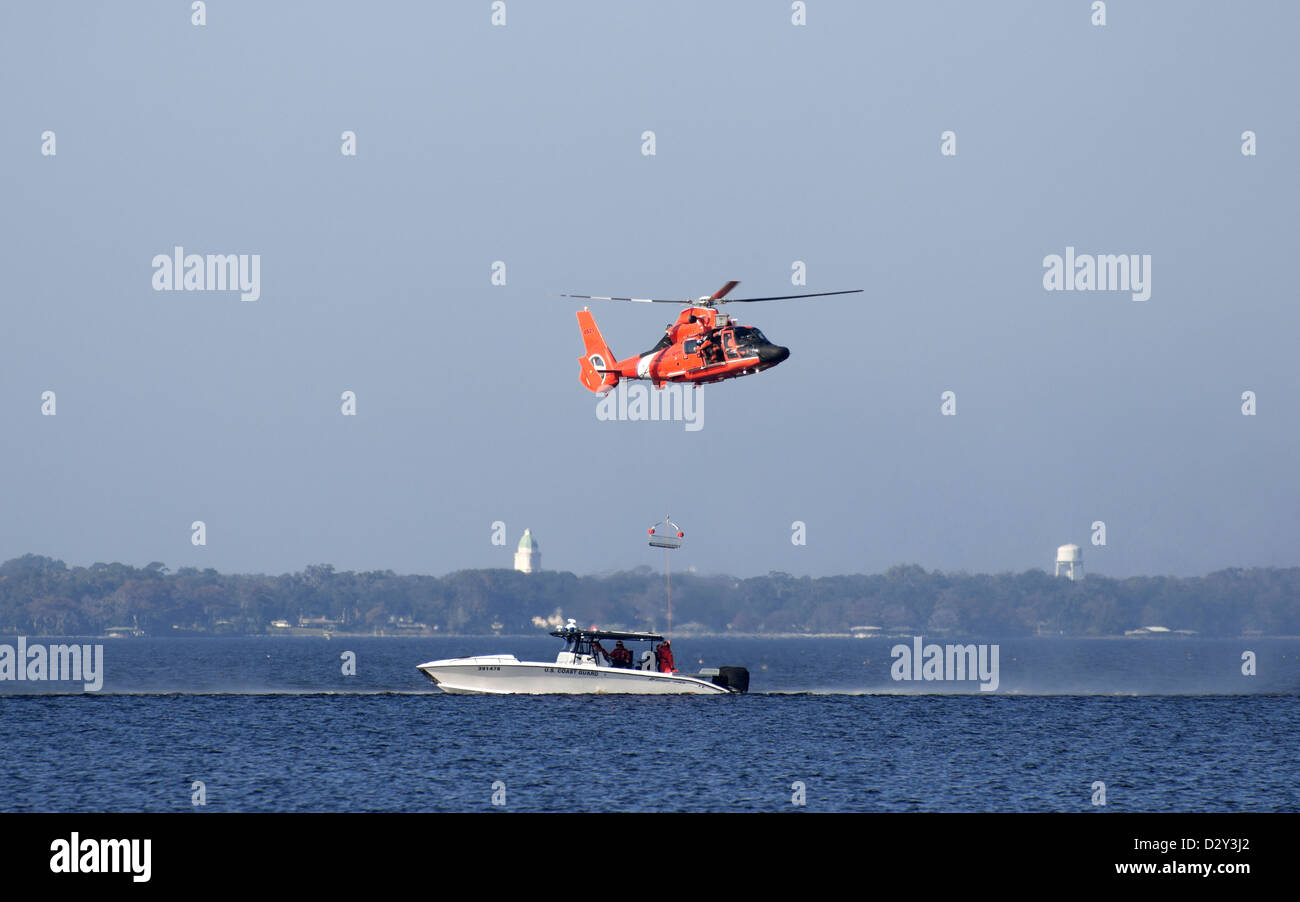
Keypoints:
pixel 701 346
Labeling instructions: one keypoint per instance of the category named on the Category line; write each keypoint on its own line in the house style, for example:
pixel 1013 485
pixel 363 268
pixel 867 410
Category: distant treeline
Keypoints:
pixel 43 596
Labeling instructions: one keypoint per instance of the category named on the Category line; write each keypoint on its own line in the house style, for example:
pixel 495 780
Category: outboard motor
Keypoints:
pixel 735 679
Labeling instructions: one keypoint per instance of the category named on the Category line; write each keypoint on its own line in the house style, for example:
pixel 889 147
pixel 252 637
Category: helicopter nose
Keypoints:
pixel 771 355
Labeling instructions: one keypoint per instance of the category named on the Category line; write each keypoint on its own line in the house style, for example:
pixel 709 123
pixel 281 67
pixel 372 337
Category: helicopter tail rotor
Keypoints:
pixel 597 360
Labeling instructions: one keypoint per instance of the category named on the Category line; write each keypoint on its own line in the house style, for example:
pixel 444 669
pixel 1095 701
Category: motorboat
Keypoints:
pixel 577 670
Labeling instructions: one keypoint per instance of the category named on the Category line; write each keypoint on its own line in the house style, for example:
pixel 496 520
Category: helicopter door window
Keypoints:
pixel 691 346
pixel 729 345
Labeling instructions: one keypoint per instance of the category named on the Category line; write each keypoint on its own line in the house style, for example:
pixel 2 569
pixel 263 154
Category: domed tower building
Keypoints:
pixel 1070 559
pixel 528 556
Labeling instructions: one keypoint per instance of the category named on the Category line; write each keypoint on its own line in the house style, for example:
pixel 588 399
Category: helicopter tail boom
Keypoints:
pixel 596 362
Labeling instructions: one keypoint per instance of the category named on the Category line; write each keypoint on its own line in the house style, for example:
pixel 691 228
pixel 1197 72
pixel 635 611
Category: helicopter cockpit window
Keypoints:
pixel 729 345
pixel 691 346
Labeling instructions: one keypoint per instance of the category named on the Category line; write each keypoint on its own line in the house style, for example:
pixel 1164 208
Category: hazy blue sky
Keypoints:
pixel 774 143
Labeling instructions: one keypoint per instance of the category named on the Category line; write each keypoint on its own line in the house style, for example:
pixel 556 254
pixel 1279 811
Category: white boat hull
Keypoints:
pixel 504 675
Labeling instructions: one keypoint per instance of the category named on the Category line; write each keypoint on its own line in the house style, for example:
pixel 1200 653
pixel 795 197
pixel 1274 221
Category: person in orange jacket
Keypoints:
pixel 621 656
pixel 664 657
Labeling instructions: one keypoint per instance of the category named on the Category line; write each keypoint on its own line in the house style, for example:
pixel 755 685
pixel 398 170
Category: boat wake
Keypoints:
pixel 221 692
pixel 1023 693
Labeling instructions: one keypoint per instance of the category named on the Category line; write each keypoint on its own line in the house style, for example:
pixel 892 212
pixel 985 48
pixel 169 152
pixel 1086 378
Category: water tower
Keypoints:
pixel 1071 558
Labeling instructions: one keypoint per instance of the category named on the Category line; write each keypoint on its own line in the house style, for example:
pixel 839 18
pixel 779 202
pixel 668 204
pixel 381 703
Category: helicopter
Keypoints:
pixel 703 345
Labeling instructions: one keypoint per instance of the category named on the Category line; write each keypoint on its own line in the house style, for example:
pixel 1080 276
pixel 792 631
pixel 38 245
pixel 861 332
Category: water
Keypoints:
pixel 274 725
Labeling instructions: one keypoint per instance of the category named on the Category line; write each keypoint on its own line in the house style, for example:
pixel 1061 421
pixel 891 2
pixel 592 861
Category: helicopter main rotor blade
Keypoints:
pixel 722 292
pixel 786 297
pixel 602 297
pixel 718 297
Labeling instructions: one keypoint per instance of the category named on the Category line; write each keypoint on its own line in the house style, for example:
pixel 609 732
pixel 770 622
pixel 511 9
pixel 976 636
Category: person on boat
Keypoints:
pixel 664 656
pixel 598 652
pixel 621 656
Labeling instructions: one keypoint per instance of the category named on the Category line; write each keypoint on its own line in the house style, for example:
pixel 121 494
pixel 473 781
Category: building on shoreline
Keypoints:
pixel 528 556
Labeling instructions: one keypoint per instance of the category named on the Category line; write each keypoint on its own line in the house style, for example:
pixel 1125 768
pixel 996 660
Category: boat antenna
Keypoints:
pixel 667 535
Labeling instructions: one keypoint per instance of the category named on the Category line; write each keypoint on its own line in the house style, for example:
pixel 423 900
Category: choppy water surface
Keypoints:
pixel 274 725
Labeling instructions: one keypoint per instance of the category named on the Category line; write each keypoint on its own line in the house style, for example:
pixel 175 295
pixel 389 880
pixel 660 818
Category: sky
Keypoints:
pixel 774 144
